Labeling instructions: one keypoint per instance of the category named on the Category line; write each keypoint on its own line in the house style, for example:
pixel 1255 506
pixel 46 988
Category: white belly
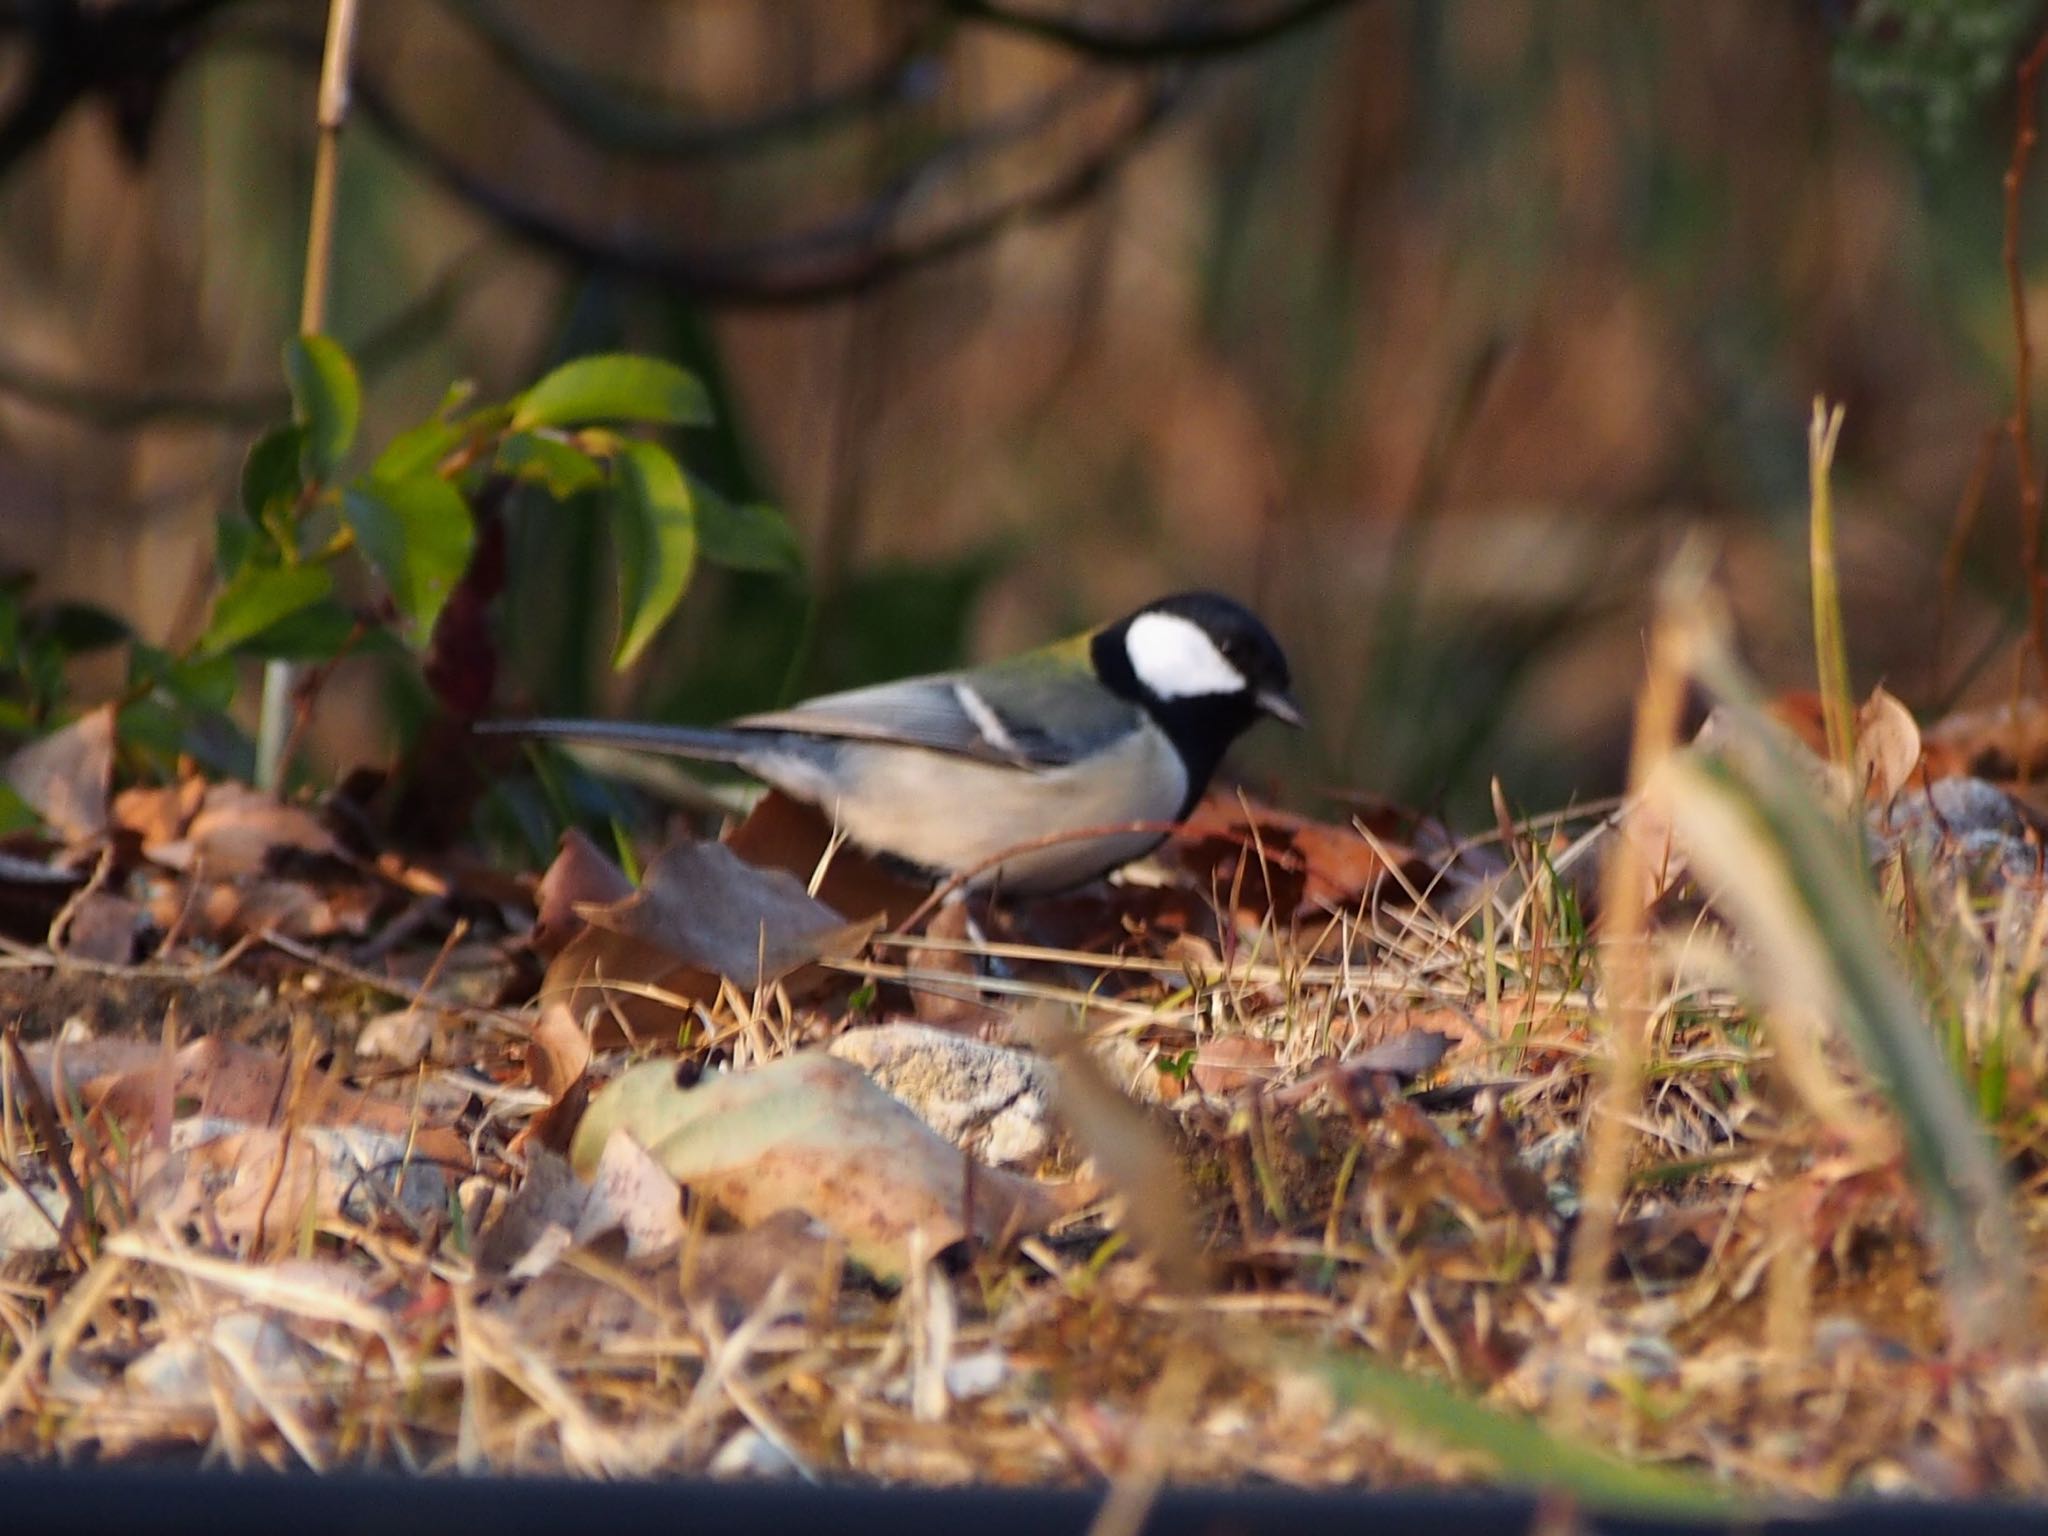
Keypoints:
pixel 951 813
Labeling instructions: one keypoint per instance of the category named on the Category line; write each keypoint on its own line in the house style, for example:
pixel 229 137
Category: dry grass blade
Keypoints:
pixel 1830 643
pixel 1789 875
pixel 1626 962
pixel 1129 1152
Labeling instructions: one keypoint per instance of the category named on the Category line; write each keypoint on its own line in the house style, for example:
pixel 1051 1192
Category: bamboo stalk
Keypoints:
pixel 273 728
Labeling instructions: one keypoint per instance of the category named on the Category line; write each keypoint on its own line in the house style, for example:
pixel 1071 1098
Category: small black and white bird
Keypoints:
pixel 946 772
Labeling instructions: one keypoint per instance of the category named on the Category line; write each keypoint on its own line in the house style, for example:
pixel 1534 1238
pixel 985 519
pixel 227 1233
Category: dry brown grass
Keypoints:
pixel 1768 1322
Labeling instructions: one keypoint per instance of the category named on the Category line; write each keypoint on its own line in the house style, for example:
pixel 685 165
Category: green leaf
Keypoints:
pixel 257 598
pixel 656 534
pixel 15 814
pixel 234 543
pixel 327 399
pixel 417 450
pixel 548 461
pixel 616 386
pixel 1522 1451
pixel 744 537
pixel 317 632
pixel 271 477
pixel 203 682
pixel 418 534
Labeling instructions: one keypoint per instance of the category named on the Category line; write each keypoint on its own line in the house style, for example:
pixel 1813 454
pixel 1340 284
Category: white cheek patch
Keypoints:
pixel 1175 659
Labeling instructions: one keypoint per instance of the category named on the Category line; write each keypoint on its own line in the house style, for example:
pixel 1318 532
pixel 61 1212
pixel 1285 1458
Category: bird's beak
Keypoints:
pixel 1279 703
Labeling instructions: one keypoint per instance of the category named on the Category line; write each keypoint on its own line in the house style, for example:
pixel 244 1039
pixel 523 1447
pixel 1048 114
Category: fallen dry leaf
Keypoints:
pixel 225 1083
pixel 2002 743
pixel 700 913
pixel 239 831
pixel 1887 745
pixel 554 1213
pixel 558 1054
pixel 953 1003
pixel 159 814
pixel 66 776
pixel 578 876
pixel 1225 1063
pixel 813 1133
pixel 557 1059
pixel 632 1194
pixel 785 834
pixel 273 1182
pixel 1273 861
pixel 102 927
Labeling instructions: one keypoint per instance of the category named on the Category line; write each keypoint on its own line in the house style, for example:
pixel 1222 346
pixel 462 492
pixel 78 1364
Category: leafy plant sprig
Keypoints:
pixel 410 513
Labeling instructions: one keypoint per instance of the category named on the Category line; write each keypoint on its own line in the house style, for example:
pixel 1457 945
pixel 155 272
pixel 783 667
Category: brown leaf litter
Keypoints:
pixel 314 1217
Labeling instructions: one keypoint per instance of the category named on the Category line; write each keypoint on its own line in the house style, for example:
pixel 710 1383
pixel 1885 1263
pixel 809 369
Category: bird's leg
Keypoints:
pixel 978 926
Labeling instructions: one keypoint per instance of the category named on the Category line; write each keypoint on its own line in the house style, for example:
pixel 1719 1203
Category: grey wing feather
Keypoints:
pixel 980 715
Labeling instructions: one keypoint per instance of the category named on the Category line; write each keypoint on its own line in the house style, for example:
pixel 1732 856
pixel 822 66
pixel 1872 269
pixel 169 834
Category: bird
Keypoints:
pixel 972 776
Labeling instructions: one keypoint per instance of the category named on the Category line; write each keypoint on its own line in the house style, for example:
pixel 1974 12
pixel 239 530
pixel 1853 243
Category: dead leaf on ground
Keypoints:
pixel 732 1272
pixel 294 908
pixel 273 1182
pixel 632 1194
pixel 785 834
pixel 66 776
pixel 223 1082
pixel 2003 743
pixel 248 1143
pixel 240 831
pixel 1887 745
pixel 952 998
pixel 554 1214
pixel 1275 861
pixel 813 1133
pixel 1225 1063
pixel 701 913
pixel 159 814
pixel 1368 1032
pixel 579 875
pixel 102 927
pixel 557 1059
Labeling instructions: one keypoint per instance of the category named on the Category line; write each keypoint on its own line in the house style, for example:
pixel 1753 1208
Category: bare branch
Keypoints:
pixel 612 116
pixel 841 256
pixel 1161 43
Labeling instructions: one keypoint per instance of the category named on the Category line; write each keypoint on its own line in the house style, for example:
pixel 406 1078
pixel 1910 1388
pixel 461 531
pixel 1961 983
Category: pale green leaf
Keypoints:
pixel 418 533
pixel 258 597
pixel 656 534
pixel 617 386
pixel 327 399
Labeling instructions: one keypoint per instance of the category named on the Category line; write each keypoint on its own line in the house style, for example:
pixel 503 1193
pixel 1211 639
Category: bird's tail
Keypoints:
pixel 705 743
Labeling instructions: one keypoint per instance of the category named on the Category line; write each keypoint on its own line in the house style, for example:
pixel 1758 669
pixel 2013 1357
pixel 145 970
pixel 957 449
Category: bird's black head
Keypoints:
pixel 1203 667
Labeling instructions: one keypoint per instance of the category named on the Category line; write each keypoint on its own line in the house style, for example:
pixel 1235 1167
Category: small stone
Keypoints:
pixel 992 1101
pixel 749 1453
pixel 401 1038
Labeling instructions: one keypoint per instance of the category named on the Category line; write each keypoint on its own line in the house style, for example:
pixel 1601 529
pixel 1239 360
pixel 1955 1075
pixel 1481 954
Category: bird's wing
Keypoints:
pixel 981 715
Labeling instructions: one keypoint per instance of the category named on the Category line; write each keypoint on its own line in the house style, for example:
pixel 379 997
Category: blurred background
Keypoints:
pixel 1428 326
